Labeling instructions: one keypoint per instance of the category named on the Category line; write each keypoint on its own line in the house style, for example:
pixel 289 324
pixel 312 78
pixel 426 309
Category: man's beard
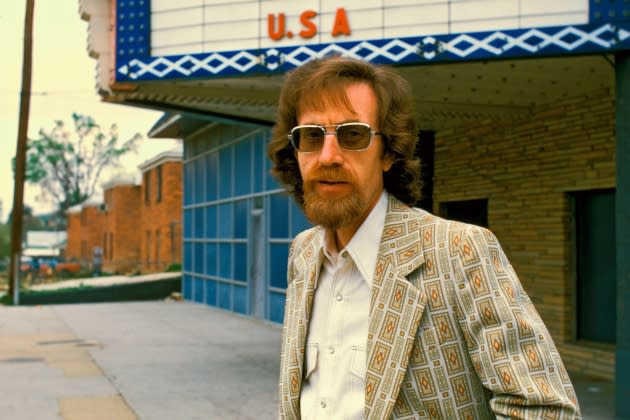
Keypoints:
pixel 332 213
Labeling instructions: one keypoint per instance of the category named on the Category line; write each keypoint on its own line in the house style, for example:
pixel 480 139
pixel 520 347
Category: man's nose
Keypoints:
pixel 331 152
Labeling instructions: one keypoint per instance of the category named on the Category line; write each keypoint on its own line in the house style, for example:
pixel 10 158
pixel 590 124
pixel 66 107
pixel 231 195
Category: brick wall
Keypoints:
pixel 526 171
pixel 121 240
pixel 73 232
pixel 161 222
pixel 92 225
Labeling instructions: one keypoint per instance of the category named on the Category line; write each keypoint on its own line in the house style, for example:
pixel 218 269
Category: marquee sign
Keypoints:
pixel 174 39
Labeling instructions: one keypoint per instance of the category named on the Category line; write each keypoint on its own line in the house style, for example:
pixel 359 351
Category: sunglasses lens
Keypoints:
pixel 308 139
pixel 353 136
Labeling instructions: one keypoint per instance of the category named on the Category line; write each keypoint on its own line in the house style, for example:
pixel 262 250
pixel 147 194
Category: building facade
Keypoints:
pixel 522 108
pixel 138 227
pixel 84 229
pixel 161 212
pixel 73 229
pixel 121 239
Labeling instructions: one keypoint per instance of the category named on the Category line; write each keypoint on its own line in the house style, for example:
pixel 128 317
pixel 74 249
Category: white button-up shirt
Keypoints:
pixel 335 361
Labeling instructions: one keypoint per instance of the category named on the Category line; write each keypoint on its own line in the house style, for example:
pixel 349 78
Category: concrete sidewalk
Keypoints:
pixel 146 360
pixel 153 360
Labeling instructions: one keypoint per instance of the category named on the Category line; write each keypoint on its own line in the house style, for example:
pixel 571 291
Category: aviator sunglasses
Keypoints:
pixel 353 136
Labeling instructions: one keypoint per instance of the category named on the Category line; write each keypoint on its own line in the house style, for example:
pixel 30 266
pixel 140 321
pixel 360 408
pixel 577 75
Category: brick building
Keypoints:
pixel 138 226
pixel 160 224
pixel 121 239
pixel 84 232
pixel 73 230
pixel 530 179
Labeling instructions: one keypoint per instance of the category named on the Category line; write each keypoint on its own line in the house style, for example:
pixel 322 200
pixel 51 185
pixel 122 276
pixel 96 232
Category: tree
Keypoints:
pixel 29 221
pixel 67 168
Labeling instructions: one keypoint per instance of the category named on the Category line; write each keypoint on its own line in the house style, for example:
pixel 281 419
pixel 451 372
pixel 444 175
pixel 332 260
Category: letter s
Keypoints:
pixel 310 29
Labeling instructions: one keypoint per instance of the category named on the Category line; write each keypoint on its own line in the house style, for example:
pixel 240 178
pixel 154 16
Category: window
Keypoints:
pixel 111 246
pixel 147 187
pixel 595 265
pixel 157 247
pixel 158 184
pixel 84 250
pixel 467 211
pixel 148 248
pixel 105 245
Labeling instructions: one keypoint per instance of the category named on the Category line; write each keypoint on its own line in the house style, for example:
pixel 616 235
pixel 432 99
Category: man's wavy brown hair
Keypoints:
pixel 321 83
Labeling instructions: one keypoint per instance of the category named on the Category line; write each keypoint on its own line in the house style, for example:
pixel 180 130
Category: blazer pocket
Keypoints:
pixel 311 359
pixel 358 367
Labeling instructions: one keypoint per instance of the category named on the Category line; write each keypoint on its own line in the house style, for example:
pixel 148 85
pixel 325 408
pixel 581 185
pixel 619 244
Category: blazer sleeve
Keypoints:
pixel 284 407
pixel 508 343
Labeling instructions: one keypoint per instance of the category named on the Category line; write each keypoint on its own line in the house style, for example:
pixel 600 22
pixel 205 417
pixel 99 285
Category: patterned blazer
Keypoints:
pixel 452 333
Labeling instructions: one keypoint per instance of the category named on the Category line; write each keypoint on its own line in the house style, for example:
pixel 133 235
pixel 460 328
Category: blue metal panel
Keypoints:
pixel 240 299
pixel 276 307
pixel 199 290
pixel 241 216
pixel 133 29
pixel 217 243
pixel 278 265
pixel 187 287
pixel 299 222
pixel 240 262
pixel 188 256
pixel 211 292
pixel 609 11
pixel 225 296
pixel 211 259
pixel 225 261
pixel 279 204
pixel 226 221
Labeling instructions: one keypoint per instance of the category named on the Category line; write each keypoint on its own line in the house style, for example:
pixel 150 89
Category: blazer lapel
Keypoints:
pixel 307 263
pixel 396 308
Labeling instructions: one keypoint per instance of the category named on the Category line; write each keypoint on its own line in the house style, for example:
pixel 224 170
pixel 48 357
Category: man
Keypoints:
pixel 392 312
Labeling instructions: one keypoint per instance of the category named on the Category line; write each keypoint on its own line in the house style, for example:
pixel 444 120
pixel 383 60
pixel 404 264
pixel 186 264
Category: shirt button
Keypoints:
pixel 323 404
pixel 339 298
pixel 331 350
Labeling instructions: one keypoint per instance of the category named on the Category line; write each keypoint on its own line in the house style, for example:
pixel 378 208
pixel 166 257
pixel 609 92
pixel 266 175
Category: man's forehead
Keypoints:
pixel 324 100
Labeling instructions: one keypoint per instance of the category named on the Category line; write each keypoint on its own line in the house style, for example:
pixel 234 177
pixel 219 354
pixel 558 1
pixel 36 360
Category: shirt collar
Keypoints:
pixel 364 245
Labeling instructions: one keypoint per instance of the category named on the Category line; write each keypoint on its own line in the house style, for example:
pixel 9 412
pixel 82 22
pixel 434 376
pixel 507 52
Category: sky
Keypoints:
pixel 63 82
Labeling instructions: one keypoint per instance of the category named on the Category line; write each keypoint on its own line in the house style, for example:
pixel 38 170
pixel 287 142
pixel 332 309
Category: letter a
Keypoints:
pixel 341 26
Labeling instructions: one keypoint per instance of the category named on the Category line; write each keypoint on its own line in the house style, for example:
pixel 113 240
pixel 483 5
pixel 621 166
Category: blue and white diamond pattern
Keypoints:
pixel 186 65
pixel 430 48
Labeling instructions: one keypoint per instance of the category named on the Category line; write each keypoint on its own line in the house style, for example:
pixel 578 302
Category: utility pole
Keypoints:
pixel 20 154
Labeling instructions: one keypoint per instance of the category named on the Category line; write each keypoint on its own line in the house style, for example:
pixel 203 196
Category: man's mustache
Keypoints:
pixel 328 174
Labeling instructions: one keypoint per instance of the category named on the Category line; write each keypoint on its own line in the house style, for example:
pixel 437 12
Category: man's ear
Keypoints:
pixel 388 161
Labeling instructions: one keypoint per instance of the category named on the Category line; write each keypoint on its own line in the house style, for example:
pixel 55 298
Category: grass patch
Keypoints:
pixel 150 290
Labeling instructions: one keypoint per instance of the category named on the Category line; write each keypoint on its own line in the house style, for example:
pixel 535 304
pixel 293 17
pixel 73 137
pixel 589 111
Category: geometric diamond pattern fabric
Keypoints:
pixel 452 333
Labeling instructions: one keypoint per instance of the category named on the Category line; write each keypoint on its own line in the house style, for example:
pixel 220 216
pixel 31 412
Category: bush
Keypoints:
pixel 174 267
